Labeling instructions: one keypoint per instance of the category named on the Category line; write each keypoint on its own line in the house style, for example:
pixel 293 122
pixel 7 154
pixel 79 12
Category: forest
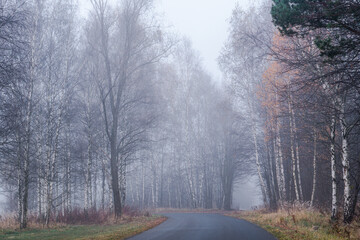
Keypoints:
pixel 112 109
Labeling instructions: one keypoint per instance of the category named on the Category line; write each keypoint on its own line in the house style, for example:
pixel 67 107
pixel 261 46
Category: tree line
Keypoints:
pixel 295 66
pixel 108 110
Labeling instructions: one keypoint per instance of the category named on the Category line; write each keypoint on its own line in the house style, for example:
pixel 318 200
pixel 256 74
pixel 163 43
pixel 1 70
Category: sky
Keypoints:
pixel 204 22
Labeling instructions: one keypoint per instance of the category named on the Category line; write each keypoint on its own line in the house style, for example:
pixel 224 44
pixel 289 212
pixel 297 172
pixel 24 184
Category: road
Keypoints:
pixel 198 226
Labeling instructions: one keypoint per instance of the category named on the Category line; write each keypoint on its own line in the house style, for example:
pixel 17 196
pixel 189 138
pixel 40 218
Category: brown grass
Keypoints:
pixel 75 217
pixel 301 224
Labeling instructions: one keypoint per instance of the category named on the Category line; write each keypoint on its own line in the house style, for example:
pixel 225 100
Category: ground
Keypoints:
pixel 300 224
pixel 122 230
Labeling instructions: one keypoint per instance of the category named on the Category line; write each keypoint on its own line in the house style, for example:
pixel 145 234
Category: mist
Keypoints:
pixel 109 106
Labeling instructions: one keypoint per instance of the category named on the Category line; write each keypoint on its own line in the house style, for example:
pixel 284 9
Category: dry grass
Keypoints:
pixel 10 222
pixel 74 217
pixel 120 229
pixel 300 224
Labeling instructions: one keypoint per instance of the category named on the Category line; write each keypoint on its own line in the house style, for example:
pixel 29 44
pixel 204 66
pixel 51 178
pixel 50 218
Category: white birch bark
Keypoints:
pixel 94 192
pixel 280 164
pixel 258 166
pixel 314 168
pixel 103 178
pixel 279 160
pixel 297 159
pixel 334 204
pixel 88 183
pixel 292 149
pixel 345 164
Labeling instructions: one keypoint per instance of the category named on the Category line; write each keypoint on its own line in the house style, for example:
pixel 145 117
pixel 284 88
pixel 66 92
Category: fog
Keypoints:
pixel 108 106
pixel 185 61
pixel 205 23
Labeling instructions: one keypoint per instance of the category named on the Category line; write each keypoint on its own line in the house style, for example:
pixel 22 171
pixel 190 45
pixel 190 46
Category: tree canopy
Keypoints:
pixel 339 21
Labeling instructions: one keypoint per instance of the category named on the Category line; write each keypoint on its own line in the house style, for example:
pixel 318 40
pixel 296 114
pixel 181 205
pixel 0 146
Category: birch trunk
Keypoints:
pixel 68 180
pixel 348 213
pixel 280 164
pixel 142 185
pixel 39 193
pixel 276 167
pixel 301 195
pixel 254 135
pixel 88 185
pixel 169 194
pixel 88 180
pixel 103 176
pixel 314 167
pixel 24 191
pixel 94 197
pixel 271 180
pixel 334 204
pixel 292 149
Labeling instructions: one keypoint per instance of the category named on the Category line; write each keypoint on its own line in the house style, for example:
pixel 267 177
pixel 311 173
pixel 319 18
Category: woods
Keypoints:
pixel 112 109
pixel 303 73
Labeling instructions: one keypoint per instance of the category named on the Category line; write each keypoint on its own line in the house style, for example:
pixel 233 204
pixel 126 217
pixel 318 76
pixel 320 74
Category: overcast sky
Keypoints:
pixel 204 22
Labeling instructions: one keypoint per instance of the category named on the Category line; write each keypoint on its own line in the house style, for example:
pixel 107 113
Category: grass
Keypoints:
pixel 125 229
pixel 300 225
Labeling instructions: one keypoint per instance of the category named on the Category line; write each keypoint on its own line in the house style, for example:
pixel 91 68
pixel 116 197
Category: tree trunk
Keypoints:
pixel 103 178
pixel 334 203
pixel 94 197
pixel 314 167
pixel 280 165
pixel 123 180
pixel 292 150
pixel 348 210
pixel 115 177
pixel 254 135
pixel 88 185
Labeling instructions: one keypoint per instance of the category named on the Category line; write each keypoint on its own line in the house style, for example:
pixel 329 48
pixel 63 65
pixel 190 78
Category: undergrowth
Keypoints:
pixel 76 216
pixel 80 224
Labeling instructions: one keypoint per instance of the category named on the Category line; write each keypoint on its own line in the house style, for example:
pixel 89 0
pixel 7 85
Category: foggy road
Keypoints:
pixel 196 226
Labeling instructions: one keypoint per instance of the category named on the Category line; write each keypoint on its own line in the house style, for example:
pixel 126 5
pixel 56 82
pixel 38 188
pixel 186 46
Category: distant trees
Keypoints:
pixel 109 111
pixel 243 62
pixel 194 156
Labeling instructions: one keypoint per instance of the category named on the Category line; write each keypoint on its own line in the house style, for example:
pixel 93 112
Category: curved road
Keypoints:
pixel 198 226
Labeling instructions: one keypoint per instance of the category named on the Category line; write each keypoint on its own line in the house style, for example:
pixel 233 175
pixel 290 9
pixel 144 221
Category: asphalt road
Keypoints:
pixel 196 226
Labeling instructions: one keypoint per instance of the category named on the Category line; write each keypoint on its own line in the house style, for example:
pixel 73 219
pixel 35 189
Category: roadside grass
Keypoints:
pixel 126 228
pixel 300 224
